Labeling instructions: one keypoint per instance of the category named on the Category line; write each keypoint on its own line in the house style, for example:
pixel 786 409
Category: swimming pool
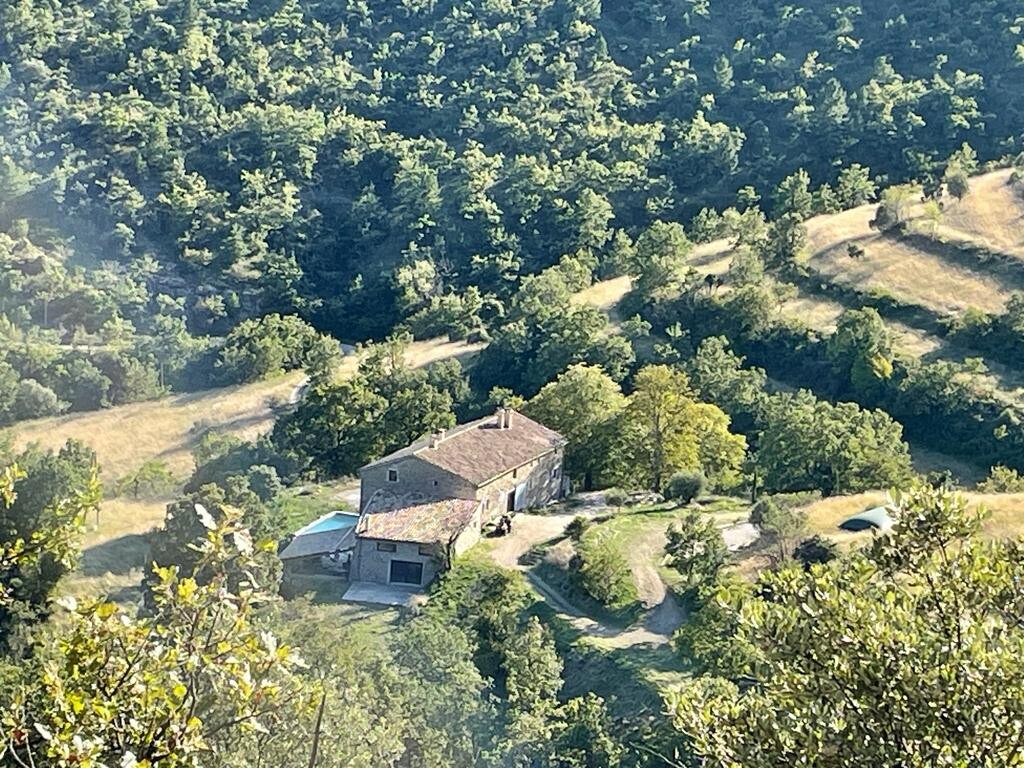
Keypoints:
pixel 332 521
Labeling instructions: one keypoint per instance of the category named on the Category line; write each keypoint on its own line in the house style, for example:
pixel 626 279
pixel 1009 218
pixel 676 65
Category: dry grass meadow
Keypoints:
pixel 1005 514
pixel 606 294
pixel 166 429
pixel 990 216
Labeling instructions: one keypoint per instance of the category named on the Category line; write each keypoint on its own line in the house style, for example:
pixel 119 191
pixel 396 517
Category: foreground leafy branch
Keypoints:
pixel 175 688
pixel 909 653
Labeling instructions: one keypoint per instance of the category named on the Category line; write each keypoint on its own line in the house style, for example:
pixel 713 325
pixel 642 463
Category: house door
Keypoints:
pixel 510 501
pixel 406 572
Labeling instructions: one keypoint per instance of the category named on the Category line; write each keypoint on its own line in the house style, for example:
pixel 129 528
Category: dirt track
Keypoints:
pixel 654 628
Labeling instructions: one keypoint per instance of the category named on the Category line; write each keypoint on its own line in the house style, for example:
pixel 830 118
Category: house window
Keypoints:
pixel 427 550
pixel 554 473
pixel 515 473
pixel 386 546
pixel 392 475
pixel 435 483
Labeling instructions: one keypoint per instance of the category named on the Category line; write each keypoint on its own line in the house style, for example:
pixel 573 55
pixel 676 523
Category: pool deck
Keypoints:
pixel 383 594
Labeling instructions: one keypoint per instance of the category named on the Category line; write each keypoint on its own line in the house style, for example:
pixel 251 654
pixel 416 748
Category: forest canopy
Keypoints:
pixel 357 163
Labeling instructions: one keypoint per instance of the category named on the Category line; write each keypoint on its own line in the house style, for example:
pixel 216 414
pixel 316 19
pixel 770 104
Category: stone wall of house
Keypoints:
pixel 541 483
pixel 415 477
pixel 470 535
pixel 373 564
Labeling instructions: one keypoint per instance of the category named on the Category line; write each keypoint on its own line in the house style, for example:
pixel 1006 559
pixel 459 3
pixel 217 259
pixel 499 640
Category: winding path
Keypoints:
pixel 656 626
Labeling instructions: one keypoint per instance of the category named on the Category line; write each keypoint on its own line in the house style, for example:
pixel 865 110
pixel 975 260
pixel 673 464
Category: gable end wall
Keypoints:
pixel 415 476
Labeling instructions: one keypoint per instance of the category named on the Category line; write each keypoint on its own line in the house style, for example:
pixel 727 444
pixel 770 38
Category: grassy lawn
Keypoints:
pixel 628 679
pixel 639 534
pixel 564 582
pixel 299 506
pixel 319 588
pixel 375 621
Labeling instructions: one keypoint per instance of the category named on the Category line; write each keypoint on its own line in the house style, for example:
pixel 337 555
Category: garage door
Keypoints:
pixel 405 572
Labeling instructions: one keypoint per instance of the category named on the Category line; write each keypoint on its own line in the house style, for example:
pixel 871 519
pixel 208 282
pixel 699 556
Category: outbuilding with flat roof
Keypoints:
pixel 326 543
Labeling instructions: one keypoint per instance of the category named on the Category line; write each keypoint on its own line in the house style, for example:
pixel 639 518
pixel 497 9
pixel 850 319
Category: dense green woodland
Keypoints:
pixel 360 163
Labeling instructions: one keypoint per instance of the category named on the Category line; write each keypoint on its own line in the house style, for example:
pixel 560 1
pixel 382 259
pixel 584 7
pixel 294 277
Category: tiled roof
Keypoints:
pixel 424 523
pixel 481 450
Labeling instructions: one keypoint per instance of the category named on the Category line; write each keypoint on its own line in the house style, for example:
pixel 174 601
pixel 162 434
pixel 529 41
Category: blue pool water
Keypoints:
pixel 336 522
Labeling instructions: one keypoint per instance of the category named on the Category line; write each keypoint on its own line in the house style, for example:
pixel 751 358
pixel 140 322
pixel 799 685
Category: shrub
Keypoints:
pixel 769 507
pixel 615 497
pixel 765 507
pixel 83 384
pixel 264 347
pixel 34 401
pixel 1017 177
pixel 685 486
pixel 264 481
pixel 695 548
pixel 177 542
pixel 577 527
pixel 1002 480
pixel 708 640
pixel 232 458
pixel 213 445
pixel 134 382
pixel 488 602
pixel 605 575
pixel 150 480
pixel 816 549
pixel 941 478
pixel 785 520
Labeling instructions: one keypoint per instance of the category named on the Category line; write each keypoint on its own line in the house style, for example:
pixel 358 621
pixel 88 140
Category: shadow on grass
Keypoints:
pixel 608 673
pixel 117 556
pixel 132 595
pixel 190 439
pixel 631 680
pixel 583 605
pixel 320 589
pixel 766 546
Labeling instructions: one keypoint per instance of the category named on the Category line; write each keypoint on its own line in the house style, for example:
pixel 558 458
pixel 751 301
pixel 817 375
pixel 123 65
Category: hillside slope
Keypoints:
pixel 971 257
pixel 126 436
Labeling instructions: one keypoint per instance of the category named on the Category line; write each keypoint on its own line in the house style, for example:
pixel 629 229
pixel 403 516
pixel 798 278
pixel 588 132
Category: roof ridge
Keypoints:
pixel 482 449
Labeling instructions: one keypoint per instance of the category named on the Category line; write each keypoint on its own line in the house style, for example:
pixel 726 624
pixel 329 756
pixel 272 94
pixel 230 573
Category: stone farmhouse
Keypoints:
pixel 427 503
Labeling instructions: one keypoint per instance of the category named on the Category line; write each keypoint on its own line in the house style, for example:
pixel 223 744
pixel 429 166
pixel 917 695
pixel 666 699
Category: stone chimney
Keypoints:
pixel 499 418
pixel 507 421
pixel 437 438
